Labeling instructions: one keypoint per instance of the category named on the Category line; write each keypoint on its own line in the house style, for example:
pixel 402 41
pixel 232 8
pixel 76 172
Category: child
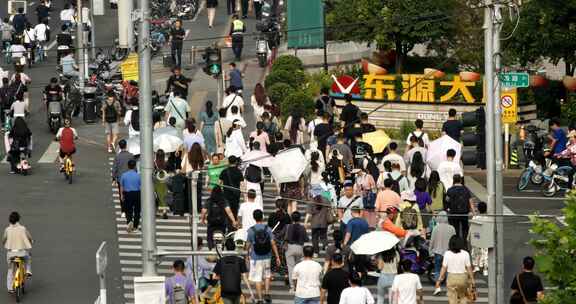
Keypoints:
pixel 480 255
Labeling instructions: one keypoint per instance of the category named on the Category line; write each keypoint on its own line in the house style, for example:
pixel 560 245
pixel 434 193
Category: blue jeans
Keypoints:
pixel 298 300
pixel 437 265
pixel 384 283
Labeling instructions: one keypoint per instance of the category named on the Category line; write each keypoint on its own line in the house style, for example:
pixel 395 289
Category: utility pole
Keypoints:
pixel 80 45
pixel 92 31
pixel 325 34
pixel 146 154
pixel 490 134
pixel 499 163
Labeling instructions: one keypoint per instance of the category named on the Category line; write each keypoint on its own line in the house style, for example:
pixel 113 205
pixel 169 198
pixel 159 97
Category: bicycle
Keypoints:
pixel 68 168
pixel 18 283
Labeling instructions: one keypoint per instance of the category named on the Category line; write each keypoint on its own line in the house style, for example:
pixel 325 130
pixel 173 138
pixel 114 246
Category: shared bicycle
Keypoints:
pixel 19 281
pixel 68 169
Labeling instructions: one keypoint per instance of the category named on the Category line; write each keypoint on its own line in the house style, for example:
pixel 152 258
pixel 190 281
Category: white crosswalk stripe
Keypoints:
pixel 174 233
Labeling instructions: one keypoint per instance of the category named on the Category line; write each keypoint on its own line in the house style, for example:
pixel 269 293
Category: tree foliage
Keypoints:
pixel 298 103
pixel 392 24
pixel 555 248
pixel 547 29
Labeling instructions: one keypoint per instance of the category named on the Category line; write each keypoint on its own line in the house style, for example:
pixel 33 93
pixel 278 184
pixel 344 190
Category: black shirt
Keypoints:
pixel 225 266
pixel 274 147
pixel 64 39
pixel 453 128
pixel 296 234
pixel 322 132
pixel 457 200
pixel 53 93
pixel 231 177
pixel 367 128
pixel 42 11
pixel 177 35
pixel 280 218
pixel 178 84
pixel 531 285
pixel 334 282
pixel 350 114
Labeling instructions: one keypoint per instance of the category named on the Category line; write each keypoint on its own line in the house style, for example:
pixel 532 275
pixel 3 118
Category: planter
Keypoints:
pixel 569 83
pixel 538 81
pixel 469 76
pixel 433 73
pixel 370 68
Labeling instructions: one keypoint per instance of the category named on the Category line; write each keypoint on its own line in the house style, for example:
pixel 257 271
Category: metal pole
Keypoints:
pixel 498 147
pixel 102 289
pixel 490 165
pixel 146 161
pixel 80 46
pixel 325 38
pixel 131 26
pixel 92 31
pixel 194 211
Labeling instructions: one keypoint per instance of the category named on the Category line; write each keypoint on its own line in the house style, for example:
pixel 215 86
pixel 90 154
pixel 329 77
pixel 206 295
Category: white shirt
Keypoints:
pixel 404 288
pixel 67 15
pixel 447 169
pixel 312 125
pixel 307 275
pixel 232 100
pixel 235 144
pixel 356 295
pixel 246 214
pixel 395 158
pixel 29 36
pixel 417 133
pixel 344 202
pixel 127 122
pixel 20 108
pixel 456 262
pixel 232 118
pixel 40 31
pixel 177 108
pixel 17 50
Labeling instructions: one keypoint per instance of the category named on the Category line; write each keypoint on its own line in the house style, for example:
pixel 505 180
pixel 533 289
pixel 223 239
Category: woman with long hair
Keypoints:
pixel 418 169
pixel 260 136
pixel 424 201
pixel 235 143
pixel 192 135
pixel 208 120
pixel 388 266
pixel 437 191
pixel 259 101
pixel 296 125
pixel 160 177
pixel 19 136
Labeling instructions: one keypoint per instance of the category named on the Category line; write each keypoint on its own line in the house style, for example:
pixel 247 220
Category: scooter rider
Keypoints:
pixel 53 92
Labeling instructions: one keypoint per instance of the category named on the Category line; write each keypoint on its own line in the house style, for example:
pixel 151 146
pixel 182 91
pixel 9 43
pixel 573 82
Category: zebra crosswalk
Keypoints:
pixel 174 233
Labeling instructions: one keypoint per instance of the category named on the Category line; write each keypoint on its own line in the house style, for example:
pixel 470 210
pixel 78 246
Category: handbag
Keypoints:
pixel 471 293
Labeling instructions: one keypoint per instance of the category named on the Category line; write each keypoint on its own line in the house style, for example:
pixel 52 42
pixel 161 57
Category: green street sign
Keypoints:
pixel 514 80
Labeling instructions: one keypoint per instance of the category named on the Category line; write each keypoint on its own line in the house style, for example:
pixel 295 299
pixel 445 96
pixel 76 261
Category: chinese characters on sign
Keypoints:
pixel 509 106
pixel 415 87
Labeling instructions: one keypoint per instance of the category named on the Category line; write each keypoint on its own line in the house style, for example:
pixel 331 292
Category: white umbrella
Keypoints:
pixel 288 165
pixel 168 131
pixel 166 142
pixel 133 145
pixel 374 242
pixel 437 151
pixel 258 158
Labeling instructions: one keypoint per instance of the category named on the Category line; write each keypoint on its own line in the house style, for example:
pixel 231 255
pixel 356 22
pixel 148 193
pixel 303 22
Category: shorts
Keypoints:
pixel 259 270
pixel 62 154
pixel 111 127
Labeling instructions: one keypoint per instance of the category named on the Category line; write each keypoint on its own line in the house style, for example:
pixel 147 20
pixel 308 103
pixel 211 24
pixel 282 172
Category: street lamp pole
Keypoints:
pixel 146 152
pixel 325 34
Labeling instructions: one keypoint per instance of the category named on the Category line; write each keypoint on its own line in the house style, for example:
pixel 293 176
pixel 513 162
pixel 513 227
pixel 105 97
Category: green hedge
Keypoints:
pixel 298 102
pixel 288 62
pixel 279 91
pixel 295 79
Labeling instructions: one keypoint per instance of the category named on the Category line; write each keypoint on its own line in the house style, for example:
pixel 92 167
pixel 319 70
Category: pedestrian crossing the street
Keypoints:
pixel 174 233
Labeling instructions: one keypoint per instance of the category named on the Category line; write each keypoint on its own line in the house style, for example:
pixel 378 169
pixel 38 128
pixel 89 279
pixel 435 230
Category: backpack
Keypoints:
pixel 458 204
pixel 178 293
pixel 135 120
pixel 409 217
pixel 110 114
pixel 417 137
pixel 230 276
pixel 262 242
pixel 326 104
pixel 253 174
pixel 216 216
pixel 396 183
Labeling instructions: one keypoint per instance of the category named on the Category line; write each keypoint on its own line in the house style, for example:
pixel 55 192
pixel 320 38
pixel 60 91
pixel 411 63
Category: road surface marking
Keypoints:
pixel 5 159
pixel 50 154
pixel 51 45
pixel 31 3
pixel 534 198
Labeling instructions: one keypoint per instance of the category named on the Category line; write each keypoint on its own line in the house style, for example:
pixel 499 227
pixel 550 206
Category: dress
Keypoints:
pixel 208 131
pixel 211 3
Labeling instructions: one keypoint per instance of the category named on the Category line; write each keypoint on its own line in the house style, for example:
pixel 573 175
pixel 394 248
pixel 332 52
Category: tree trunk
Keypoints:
pixel 399 57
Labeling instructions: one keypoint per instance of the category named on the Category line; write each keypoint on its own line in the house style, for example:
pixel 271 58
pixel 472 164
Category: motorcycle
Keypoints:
pixel 267 40
pixel 557 179
pixel 55 117
pixel 262 50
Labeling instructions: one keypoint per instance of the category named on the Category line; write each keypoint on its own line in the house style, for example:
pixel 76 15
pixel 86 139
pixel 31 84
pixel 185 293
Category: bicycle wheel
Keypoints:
pixel 70 178
pixel 18 294
pixel 549 189
pixel 524 180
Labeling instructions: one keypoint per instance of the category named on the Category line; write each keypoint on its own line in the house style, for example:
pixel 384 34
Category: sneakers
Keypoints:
pixel 485 272
pixel 267 299
pixel 476 268
pixel 437 291
pixel 123 215
pixel 130 227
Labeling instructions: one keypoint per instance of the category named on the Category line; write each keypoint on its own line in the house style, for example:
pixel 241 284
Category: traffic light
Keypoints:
pixel 474 152
pixel 212 61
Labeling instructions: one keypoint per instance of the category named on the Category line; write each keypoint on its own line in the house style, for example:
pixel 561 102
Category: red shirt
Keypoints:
pixel 67 140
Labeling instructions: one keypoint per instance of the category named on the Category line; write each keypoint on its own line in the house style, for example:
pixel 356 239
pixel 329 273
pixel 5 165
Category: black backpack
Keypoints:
pixel 459 204
pixel 216 214
pixel 253 174
pixel 395 183
pixel 110 114
pixel 230 275
pixel 262 242
pixel 135 120
pixel 417 137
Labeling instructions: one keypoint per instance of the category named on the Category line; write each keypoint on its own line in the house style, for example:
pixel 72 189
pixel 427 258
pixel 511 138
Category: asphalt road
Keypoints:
pixel 67 222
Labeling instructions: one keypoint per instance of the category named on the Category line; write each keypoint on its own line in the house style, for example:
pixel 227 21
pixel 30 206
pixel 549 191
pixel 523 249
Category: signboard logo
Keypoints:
pixel 344 85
